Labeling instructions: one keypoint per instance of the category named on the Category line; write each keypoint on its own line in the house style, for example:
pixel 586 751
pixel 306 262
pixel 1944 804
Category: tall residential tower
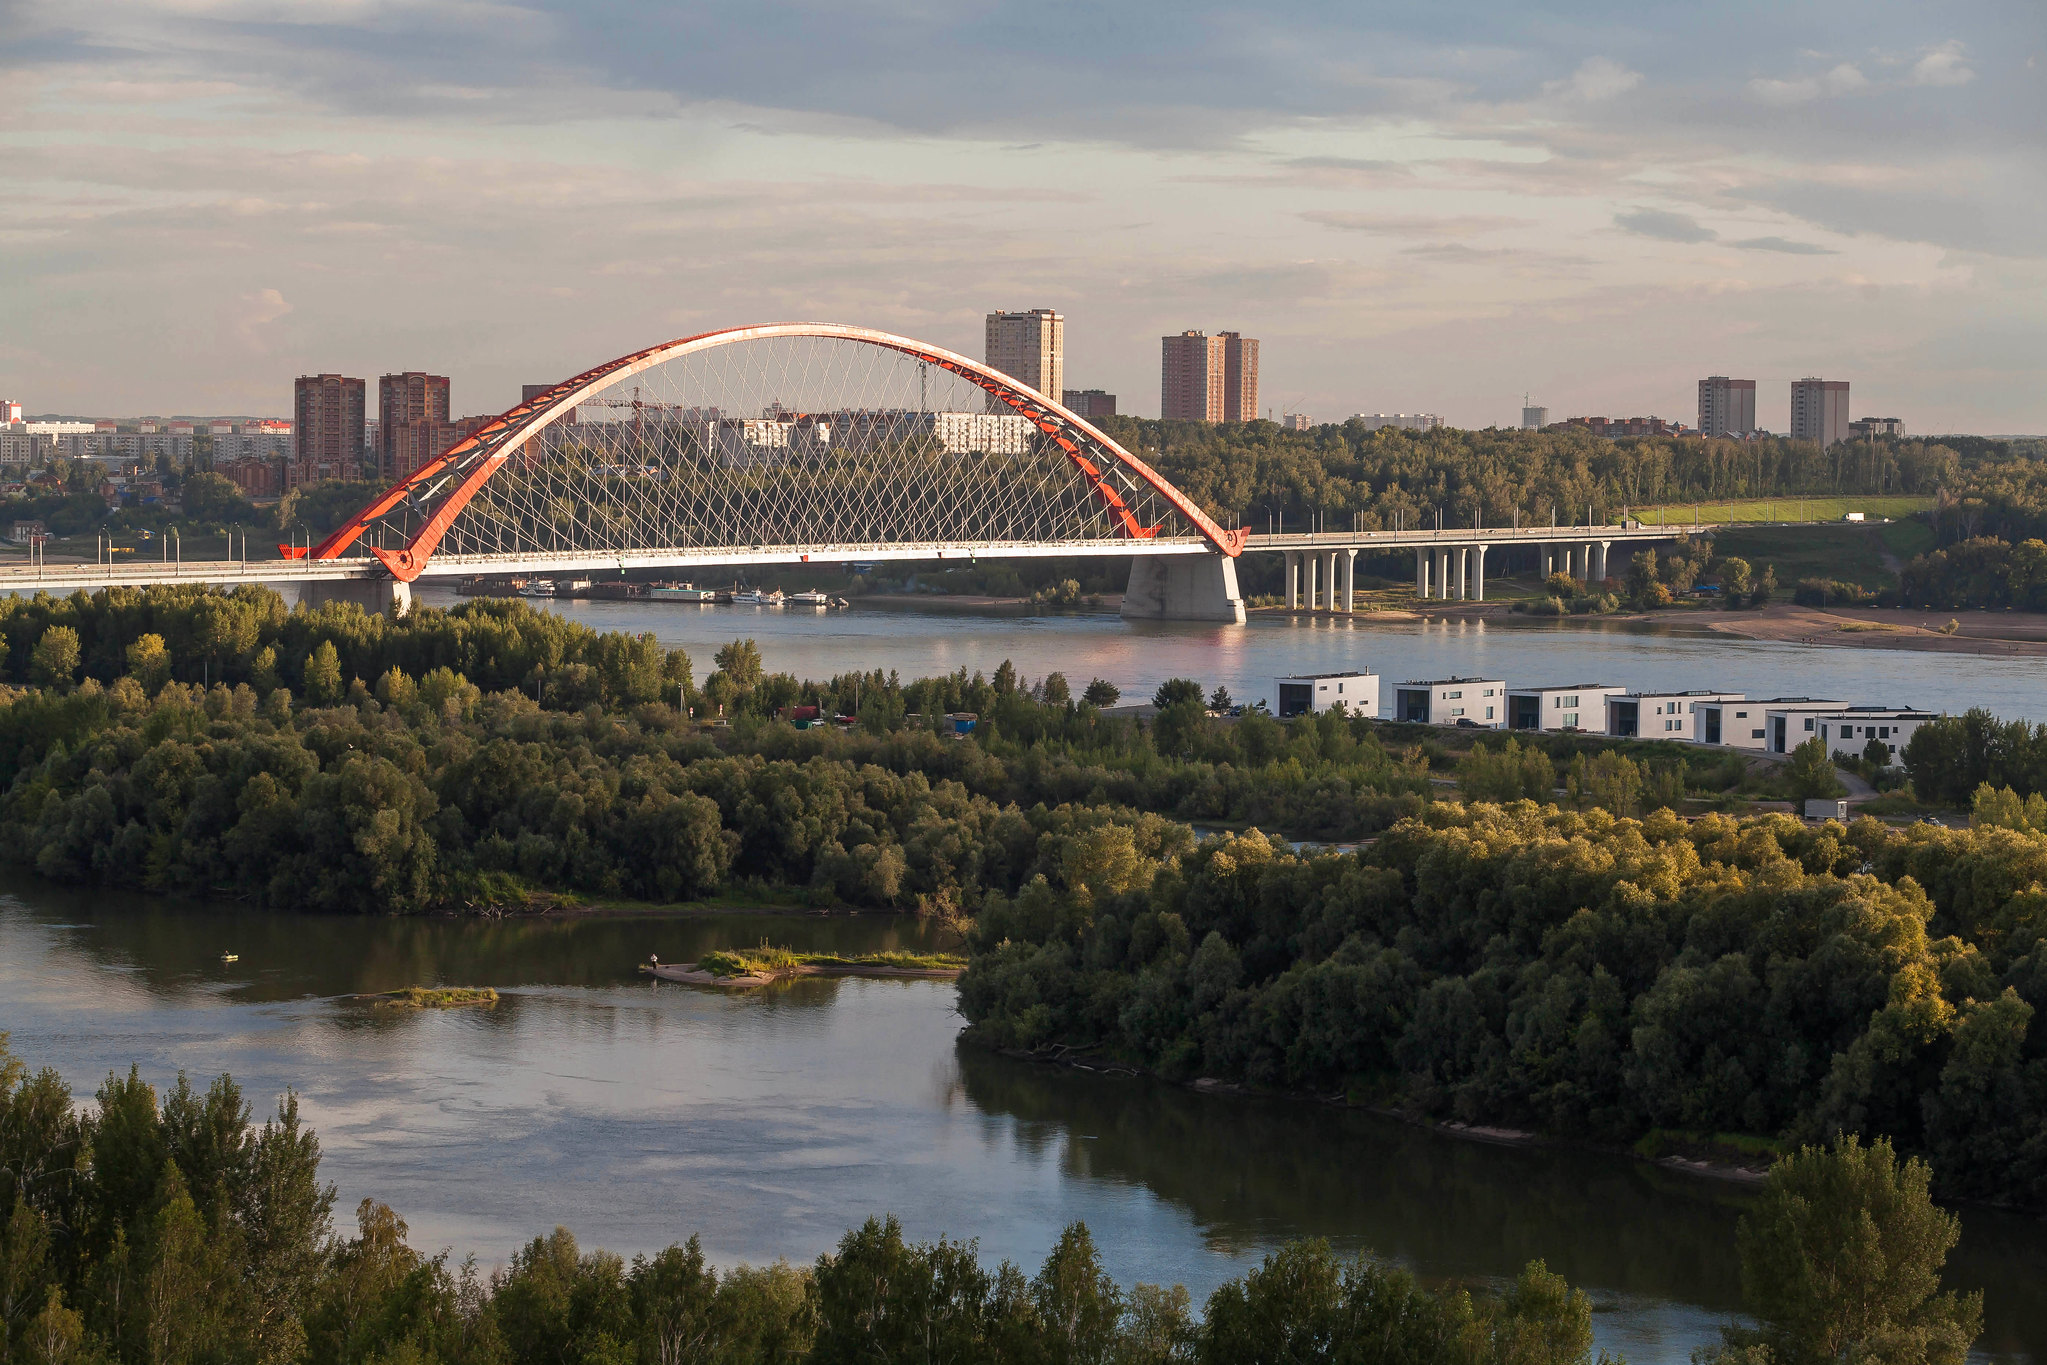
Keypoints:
pixel 1030 348
pixel 1727 407
pixel 1206 378
pixel 412 420
pixel 327 428
pixel 1819 411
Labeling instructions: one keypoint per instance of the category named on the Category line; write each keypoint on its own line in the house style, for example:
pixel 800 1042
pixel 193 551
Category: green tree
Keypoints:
pixel 323 675
pixel 149 663
pixel 1054 690
pixel 1005 678
pixel 1607 780
pixel 1841 1261
pixel 1078 1304
pixel 215 500
pixel 1810 773
pixel 1734 581
pixel 54 660
pixel 1174 690
pixel 1219 700
pixel 1507 772
pixel 1101 693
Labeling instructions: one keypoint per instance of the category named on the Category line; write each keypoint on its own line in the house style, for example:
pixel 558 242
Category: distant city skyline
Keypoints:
pixel 205 202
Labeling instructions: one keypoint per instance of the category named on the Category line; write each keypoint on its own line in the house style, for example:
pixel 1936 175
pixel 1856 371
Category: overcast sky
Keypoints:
pixel 1416 206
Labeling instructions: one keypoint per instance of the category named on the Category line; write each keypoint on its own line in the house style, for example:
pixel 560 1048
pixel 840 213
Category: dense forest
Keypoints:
pixel 1581 960
pixel 1613 979
pixel 169 1229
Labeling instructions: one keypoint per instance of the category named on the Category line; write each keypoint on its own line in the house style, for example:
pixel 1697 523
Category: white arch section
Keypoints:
pixel 439 490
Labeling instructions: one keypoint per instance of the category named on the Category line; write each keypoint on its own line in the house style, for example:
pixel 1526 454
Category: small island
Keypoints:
pixel 434 997
pixel 762 965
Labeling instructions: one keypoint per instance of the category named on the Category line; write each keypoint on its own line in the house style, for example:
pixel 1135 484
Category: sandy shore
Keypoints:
pixel 1978 632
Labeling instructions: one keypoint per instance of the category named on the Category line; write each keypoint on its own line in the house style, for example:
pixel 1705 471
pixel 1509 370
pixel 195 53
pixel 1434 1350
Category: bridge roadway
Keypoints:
pixel 1320 566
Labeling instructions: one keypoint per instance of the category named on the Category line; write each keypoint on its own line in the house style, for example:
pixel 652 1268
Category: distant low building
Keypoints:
pixel 1088 403
pixel 1402 421
pixel 1356 693
pixel 1847 732
pixel 1452 701
pixel 1297 421
pixel 1611 427
pixel 25 532
pixel 1744 724
pixel 1864 427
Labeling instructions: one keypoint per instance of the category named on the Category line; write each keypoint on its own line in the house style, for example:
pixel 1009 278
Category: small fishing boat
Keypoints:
pixel 230 957
pixel 682 592
pixel 754 597
pixel 810 599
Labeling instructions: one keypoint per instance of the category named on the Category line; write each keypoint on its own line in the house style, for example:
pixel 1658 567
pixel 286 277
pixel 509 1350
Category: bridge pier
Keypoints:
pixel 1350 580
pixel 373 595
pixel 1189 588
pixel 1599 573
pixel 1421 573
pixel 1293 580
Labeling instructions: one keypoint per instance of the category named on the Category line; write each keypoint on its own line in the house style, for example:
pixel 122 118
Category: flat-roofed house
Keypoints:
pixel 1662 715
pixel 1451 701
pixel 1848 731
pixel 1574 706
pixel 1356 693
pixel 1744 724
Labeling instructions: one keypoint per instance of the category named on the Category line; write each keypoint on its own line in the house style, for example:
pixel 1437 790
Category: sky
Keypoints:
pixel 1431 207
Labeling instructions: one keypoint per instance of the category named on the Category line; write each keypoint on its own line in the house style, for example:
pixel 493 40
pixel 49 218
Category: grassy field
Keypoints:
pixel 1842 550
pixel 1782 509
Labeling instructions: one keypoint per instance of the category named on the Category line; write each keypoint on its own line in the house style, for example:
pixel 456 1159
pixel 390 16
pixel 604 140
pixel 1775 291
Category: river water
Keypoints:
pixel 639 1112
pixel 1137 656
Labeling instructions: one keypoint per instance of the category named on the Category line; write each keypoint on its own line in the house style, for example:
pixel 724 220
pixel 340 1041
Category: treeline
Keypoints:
pixel 1982 574
pixel 175 1232
pixel 1951 757
pixel 1389 477
pixel 344 762
pixel 1578 974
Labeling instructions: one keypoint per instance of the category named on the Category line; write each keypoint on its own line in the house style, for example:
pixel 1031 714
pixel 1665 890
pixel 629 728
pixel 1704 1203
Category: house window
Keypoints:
pixel 1755 734
pixel 1456 711
pixel 1489 713
pixel 1883 732
pixel 1453 696
pixel 1741 715
pixel 1571 718
pixel 1339 689
pixel 1808 724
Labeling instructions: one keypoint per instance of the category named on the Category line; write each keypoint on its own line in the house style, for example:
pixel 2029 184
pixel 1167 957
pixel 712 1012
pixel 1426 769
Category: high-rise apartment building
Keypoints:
pixel 1191 377
pixel 327 428
pixel 1819 411
pixel 1533 416
pixel 1240 378
pixel 1727 407
pixel 1030 348
pixel 412 421
pixel 1088 403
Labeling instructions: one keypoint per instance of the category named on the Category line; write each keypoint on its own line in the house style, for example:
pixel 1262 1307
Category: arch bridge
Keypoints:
pixel 787 443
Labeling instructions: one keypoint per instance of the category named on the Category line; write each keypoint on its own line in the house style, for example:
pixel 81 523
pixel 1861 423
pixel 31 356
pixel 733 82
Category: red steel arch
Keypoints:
pixel 447 483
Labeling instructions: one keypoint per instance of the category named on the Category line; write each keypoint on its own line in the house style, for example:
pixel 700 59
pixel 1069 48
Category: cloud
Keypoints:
pixel 1664 226
pixel 1596 79
pixel 1943 65
pixel 1844 79
pixel 1785 245
pixel 1414 225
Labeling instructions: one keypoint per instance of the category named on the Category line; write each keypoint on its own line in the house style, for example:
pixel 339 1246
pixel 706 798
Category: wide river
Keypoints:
pixel 638 1113
pixel 1137 656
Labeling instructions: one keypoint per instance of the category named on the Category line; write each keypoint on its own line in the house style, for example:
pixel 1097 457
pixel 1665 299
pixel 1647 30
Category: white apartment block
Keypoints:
pixel 1356 693
pixel 1661 715
pixel 1576 706
pixel 1029 347
pixel 1467 702
pixel 1746 723
pixel 1403 421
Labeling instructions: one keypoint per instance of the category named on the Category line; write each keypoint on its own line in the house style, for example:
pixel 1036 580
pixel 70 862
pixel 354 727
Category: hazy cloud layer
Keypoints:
pixel 1414 206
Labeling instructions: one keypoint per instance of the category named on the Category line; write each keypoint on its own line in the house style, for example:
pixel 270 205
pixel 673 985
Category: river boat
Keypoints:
pixel 754 597
pixel 681 592
pixel 543 587
pixel 810 599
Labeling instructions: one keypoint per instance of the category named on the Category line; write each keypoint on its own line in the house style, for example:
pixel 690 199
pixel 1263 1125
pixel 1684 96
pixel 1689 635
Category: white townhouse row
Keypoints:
pixel 1731 720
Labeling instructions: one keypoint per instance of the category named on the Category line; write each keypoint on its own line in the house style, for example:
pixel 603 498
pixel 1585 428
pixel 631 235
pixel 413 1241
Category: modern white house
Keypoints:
pixel 1573 706
pixel 1665 715
pixel 1848 731
pixel 1745 724
pixel 1356 693
pixel 1452 701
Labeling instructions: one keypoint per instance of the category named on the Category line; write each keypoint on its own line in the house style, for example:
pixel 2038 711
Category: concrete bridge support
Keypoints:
pixel 1443 575
pixel 1350 580
pixel 373 595
pixel 1293 570
pixel 1183 588
pixel 1329 595
pixel 1461 557
pixel 1421 573
pixel 1599 568
pixel 1585 563
pixel 1478 573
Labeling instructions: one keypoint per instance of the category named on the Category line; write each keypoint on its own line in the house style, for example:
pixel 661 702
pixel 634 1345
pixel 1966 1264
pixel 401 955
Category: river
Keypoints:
pixel 1137 656
pixel 639 1112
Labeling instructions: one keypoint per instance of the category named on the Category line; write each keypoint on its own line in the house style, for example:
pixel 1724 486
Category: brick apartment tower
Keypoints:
pixel 1727 407
pixel 1240 378
pixel 327 428
pixel 1028 347
pixel 1191 377
pixel 412 420
pixel 1819 411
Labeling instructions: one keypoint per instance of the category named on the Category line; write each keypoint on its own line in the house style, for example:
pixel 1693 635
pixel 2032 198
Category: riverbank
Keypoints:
pixel 2002 633
pixel 750 967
